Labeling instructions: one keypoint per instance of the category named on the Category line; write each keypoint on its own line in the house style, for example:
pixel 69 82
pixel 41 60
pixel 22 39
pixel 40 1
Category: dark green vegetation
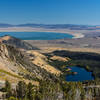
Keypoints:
pixel 90 61
pixel 48 90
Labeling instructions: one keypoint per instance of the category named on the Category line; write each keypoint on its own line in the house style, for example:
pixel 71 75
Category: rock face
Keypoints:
pixel 17 43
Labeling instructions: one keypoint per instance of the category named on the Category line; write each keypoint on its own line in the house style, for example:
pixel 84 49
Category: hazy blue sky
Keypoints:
pixel 50 11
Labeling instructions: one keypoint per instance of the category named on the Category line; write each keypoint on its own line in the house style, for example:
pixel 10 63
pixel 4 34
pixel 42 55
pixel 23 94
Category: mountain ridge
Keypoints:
pixel 53 26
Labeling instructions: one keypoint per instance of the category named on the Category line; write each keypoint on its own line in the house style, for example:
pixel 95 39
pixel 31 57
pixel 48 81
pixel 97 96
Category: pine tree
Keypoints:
pixel 7 86
pixel 21 89
pixel 8 89
pixel 30 93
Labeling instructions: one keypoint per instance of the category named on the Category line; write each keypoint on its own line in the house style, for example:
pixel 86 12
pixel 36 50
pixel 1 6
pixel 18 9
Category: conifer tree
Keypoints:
pixel 30 93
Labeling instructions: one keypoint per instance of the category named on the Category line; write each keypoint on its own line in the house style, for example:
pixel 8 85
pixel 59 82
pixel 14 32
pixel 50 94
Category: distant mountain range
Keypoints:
pixel 54 26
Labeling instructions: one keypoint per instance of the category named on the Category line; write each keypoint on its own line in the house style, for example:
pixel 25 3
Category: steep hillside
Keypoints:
pixel 15 65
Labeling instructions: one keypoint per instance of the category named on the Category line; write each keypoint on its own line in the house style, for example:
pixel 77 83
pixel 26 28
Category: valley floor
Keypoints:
pixel 89 44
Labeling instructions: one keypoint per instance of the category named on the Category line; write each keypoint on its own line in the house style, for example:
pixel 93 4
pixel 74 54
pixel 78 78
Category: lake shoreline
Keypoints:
pixel 28 29
pixel 76 74
pixel 37 35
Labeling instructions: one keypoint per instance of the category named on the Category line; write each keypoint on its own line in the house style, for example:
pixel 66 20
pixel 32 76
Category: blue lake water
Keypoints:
pixel 81 75
pixel 37 35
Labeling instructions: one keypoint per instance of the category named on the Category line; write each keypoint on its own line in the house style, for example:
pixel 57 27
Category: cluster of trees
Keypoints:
pixel 48 90
pixel 22 91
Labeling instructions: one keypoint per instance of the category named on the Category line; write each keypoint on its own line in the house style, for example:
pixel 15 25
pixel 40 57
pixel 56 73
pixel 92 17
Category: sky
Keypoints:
pixel 85 12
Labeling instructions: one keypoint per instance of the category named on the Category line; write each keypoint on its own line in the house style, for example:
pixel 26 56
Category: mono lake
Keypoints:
pixel 37 35
pixel 81 74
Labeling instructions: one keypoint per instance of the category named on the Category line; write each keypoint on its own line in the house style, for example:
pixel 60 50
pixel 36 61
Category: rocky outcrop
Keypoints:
pixel 17 43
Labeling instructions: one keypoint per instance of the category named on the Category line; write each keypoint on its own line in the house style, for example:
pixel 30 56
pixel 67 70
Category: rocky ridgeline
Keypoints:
pixel 17 43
